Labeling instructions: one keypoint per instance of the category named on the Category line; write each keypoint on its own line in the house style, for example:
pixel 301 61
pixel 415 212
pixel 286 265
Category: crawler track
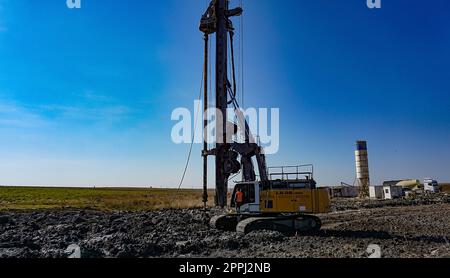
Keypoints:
pixel 286 225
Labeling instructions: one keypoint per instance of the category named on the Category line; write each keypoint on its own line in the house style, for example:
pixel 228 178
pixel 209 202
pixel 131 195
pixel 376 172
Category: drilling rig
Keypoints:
pixel 283 198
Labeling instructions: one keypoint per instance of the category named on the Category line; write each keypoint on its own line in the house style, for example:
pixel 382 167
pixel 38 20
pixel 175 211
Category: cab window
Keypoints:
pixel 249 193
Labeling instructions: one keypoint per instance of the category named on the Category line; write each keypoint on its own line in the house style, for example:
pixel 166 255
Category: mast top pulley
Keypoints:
pixel 208 23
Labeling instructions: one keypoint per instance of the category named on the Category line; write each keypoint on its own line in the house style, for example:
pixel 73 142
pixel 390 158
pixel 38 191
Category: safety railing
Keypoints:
pixel 292 172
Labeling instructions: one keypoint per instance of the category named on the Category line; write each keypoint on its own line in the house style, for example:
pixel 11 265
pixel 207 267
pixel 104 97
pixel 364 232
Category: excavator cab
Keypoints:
pixel 251 191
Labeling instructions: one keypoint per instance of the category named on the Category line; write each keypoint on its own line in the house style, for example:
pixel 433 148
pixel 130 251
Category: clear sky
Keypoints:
pixel 86 95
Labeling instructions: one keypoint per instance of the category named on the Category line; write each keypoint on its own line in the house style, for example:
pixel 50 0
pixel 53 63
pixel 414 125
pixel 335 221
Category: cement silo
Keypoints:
pixel 362 168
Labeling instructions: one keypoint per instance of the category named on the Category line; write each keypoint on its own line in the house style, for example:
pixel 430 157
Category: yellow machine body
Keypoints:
pixel 289 204
pixel 311 201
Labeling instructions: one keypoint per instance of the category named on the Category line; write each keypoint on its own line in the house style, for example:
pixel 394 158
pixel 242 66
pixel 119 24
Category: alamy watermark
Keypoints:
pixel 374 4
pixel 263 126
pixel 76 4
pixel 73 4
pixel 374 251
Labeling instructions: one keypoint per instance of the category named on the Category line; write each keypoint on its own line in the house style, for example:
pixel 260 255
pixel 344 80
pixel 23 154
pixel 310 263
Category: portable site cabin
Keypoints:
pixel 392 192
pixel 376 192
pixel 385 192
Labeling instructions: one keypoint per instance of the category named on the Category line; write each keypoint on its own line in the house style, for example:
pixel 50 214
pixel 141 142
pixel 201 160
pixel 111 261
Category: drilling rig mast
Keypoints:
pixel 216 20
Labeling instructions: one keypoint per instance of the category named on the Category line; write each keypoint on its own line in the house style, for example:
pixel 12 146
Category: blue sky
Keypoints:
pixel 86 95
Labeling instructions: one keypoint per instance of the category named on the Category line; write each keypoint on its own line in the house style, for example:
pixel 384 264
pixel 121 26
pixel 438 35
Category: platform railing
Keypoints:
pixel 286 172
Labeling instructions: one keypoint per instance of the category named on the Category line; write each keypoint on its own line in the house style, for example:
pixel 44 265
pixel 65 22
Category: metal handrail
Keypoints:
pixel 285 172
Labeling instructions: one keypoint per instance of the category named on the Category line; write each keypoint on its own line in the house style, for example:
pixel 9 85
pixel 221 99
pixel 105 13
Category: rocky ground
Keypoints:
pixel 400 229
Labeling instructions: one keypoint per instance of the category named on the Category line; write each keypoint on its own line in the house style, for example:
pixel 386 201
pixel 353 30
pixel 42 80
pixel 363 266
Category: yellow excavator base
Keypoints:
pixel 312 201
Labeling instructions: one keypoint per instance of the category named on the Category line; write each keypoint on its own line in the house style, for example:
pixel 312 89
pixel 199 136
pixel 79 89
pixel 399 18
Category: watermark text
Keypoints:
pixel 73 4
pixel 263 126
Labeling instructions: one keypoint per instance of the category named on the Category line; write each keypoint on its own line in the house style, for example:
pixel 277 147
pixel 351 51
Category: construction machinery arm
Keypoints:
pixel 249 149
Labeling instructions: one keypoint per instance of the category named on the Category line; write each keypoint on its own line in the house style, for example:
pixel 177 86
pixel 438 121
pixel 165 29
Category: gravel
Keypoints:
pixel 406 230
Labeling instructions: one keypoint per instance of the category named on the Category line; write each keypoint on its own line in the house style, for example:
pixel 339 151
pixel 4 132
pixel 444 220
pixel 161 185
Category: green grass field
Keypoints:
pixel 107 199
